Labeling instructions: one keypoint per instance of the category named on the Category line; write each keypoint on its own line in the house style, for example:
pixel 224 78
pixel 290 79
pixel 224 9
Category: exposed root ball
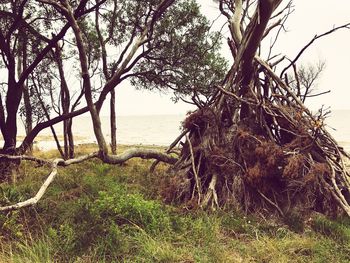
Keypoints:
pixel 254 169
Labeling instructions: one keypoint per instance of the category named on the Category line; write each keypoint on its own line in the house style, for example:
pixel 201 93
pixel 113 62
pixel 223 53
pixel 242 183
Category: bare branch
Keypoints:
pixel 194 169
pixel 235 23
pixel 26 158
pixel 141 153
pixel 316 37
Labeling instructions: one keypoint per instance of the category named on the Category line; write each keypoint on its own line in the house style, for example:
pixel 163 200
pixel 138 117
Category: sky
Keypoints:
pixel 309 18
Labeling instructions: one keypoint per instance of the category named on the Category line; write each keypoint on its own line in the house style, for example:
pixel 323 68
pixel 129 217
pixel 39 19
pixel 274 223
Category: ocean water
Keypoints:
pixel 161 129
pixel 142 130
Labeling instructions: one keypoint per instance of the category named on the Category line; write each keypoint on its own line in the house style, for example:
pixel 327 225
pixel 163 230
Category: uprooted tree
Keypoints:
pixel 252 143
pixel 256 146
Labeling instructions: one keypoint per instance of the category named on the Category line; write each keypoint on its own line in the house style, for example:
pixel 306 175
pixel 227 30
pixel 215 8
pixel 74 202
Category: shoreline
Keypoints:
pixel 43 144
pixel 47 143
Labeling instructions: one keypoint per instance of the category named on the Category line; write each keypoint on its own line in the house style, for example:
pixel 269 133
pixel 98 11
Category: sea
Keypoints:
pixel 158 130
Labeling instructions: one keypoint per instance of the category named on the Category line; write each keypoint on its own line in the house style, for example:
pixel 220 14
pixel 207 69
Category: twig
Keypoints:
pixel 272 203
pixel 172 145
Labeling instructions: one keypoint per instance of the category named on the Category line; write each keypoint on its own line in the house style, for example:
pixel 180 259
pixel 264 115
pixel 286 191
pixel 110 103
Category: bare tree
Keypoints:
pixel 304 80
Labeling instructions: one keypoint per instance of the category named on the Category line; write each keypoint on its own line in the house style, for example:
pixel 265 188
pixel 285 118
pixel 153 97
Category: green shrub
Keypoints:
pixel 295 221
pixel 107 225
pixel 132 208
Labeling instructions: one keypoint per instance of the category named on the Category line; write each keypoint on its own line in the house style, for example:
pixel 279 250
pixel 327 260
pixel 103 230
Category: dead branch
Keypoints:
pixel 272 203
pixel 316 37
pixel 26 158
pixel 171 146
pixel 39 194
pixel 141 153
pixel 198 184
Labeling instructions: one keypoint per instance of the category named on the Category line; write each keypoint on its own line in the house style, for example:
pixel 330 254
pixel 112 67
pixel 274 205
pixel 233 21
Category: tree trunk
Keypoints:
pixel 8 167
pixel 113 124
pixel 12 104
pixel 70 139
pixel 65 104
pixel 22 64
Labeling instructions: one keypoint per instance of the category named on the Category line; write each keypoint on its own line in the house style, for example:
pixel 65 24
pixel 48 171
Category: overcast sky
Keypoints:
pixel 309 18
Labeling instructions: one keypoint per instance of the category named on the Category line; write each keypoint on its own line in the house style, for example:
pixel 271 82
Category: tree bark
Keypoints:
pixel 113 124
pixel 65 104
pixel 13 99
pixel 22 64
pixel 106 73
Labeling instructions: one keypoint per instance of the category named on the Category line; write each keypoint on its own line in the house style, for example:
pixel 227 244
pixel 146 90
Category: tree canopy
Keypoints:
pixel 154 44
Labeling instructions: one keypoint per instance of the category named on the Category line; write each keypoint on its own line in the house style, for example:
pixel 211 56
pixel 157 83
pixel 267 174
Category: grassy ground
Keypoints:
pixel 95 212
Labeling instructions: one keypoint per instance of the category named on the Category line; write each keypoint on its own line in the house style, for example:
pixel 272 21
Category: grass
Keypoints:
pixel 95 212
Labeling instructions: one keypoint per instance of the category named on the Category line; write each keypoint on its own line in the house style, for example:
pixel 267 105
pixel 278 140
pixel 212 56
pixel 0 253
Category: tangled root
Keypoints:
pixel 243 166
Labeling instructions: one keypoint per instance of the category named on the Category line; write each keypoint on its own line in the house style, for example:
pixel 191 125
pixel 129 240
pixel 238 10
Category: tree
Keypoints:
pixel 184 56
pixel 88 30
pixel 30 18
pixel 37 17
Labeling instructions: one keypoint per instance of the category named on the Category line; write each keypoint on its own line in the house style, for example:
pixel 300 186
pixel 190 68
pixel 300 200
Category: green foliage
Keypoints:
pixel 9 195
pixel 10 222
pixel 295 221
pixel 133 209
pixel 34 251
pixel 101 169
pixel 184 55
